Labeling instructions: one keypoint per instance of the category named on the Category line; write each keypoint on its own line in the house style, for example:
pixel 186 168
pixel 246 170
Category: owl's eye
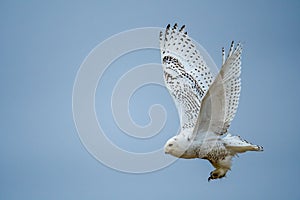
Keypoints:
pixel 170 145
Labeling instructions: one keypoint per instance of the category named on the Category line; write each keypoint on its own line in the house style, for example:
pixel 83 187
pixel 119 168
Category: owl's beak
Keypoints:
pixel 166 151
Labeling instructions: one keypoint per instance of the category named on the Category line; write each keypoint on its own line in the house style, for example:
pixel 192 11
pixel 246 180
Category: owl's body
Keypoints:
pixel 206 104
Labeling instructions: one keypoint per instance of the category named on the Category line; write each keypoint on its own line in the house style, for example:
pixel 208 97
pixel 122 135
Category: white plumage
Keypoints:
pixel 206 104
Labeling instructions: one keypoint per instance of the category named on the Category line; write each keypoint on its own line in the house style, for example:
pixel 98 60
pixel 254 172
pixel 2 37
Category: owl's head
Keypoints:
pixel 176 146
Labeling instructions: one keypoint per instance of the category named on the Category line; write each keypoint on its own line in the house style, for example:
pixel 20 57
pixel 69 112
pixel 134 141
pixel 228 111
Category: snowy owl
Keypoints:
pixel 206 104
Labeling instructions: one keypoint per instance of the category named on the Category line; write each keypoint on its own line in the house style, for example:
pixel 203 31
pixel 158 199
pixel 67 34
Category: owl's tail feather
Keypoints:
pixel 239 145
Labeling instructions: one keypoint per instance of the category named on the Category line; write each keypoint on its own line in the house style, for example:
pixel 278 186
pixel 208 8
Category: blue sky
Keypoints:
pixel 42 47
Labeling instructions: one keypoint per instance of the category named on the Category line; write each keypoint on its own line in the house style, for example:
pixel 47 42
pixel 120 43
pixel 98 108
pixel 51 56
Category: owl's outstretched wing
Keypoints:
pixel 220 103
pixel 186 74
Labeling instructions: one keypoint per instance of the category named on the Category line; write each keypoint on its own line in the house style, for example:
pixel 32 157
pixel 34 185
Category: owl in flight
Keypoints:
pixel 206 104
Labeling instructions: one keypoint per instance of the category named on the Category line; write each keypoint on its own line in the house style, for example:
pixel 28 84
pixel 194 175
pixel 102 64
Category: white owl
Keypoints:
pixel 206 104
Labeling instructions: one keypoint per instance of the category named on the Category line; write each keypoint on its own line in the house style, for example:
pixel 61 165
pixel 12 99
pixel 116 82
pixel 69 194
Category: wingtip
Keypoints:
pixel 239 45
pixel 175 26
pixel 260 148
pixel 160 35
pixel 223 55
pixel 230 49
pixel 182 28
pixel 232 43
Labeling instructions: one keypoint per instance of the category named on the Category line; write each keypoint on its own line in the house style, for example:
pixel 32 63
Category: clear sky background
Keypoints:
pixel 42 46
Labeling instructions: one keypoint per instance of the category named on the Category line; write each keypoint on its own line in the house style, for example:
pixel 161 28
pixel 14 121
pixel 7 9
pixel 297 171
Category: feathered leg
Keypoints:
pixel 222 166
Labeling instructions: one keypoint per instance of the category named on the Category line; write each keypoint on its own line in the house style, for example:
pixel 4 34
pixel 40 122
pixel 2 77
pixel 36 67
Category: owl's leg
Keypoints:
pixel 218 173
pixel 222 166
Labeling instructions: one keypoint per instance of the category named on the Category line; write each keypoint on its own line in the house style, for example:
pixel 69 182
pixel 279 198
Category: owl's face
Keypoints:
pixel 176 146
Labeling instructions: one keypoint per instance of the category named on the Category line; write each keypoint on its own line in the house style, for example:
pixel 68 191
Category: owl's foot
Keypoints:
pixel 217 173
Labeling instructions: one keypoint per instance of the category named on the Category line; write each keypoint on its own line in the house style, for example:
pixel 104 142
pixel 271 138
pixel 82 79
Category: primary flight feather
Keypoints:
pixel 206 104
